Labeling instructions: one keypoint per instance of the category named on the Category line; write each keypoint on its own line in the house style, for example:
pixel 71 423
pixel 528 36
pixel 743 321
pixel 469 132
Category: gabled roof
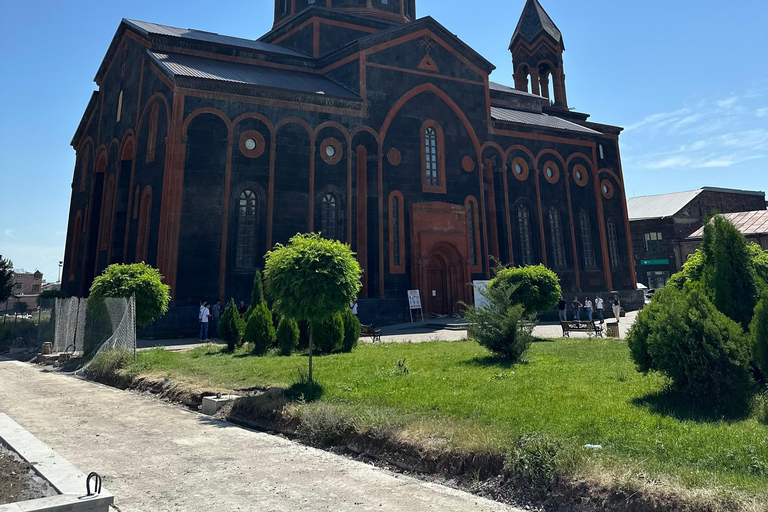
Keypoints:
pixel 533 22
pixel 536 119
pixel 748 223
pixel 178 65
pixel 511 90
pixel 147 28
pixel 667 205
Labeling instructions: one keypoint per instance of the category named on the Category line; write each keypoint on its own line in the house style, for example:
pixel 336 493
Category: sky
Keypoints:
pixel 687 79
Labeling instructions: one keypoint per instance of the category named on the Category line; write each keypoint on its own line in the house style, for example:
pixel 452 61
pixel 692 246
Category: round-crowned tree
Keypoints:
pixel 311 279
pixel 536 288
pixel 124 281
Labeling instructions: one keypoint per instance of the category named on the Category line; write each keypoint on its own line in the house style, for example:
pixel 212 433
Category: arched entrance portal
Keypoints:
pixel 446 278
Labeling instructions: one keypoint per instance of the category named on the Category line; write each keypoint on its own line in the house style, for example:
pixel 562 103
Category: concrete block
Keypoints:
pixel 212 404
pixel 47 348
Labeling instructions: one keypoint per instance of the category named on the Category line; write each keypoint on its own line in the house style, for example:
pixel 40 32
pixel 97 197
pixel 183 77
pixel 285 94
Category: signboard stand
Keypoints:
pixel 414 302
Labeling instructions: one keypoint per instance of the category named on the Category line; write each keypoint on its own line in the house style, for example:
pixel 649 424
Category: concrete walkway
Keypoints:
pixel 157 457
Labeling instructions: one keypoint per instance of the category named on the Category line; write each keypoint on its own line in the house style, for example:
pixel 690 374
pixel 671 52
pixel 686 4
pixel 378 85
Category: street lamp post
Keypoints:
pixel 61 263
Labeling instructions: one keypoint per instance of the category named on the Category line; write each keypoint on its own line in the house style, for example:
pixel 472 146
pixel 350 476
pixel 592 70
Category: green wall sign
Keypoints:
pixel 654 262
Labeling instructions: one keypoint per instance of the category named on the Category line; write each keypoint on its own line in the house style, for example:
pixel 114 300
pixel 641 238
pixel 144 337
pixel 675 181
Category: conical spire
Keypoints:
pixel 534 22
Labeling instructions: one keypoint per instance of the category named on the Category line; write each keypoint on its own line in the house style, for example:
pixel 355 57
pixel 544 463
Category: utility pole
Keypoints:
pixel 61 263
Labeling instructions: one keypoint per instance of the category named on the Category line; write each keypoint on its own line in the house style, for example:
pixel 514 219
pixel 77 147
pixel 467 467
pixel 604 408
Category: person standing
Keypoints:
pixel 353 307
pixel 600 307
pixel 576 309
pixel 617 309
pixel 562 310
pixel 205 315
pixel 215 316
pixel 242 308
pixel 588 308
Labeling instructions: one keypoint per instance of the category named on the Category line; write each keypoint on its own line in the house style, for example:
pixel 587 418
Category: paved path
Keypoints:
pixel 156 457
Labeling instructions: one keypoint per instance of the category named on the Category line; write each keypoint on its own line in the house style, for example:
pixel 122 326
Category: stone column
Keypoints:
pixel 535 89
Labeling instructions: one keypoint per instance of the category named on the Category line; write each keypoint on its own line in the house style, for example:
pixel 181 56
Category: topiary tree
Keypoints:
pixel 536 288
pixel 312 279
pixel 328 334
pixel 728 271
pixel 704 353
pixel 257 294
pixel 287 336
pixel 760 335
pixel 6 279
pixel 496 324
pixel 231 326
pixel 352 329
pixel 259 330
pixel 124 281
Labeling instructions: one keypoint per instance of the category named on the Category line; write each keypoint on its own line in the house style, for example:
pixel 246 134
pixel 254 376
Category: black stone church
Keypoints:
pixel 353 118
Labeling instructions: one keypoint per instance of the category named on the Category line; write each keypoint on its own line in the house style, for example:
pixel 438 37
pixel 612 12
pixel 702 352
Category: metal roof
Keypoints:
pixel 511 90
pixel 533 21
pixel 211 69
pixel 209 37
pixel 667 205
pixel 535 119
pixel 748 223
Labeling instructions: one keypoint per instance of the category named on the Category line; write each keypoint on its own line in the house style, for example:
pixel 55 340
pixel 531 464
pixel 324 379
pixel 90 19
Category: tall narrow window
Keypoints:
pixel 246 230
pixel 152 136
pixel 558 242
pixel 473 227
pixel 84 168
pixel 430 155
pixel 119 107
pixel 586 239
pixel 613 243
pixel 145 218
pixel 107 213
pixel 524 229
pixel 329 209
pixel 396 231
pixel 75 249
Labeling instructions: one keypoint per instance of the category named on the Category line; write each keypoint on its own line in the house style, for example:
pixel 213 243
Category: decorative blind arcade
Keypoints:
pixel 246 230
pixel 433 176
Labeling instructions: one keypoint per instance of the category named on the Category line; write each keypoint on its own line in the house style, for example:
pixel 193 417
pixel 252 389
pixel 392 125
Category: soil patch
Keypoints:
pixel 18 480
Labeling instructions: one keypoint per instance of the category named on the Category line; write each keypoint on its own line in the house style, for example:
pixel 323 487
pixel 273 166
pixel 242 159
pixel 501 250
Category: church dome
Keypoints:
pixel 399 11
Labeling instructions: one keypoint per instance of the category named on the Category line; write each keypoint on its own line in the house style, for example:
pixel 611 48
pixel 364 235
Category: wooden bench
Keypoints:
pixel 591 328
pixel 367 331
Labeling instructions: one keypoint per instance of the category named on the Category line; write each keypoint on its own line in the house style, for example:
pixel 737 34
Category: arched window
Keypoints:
pixel 524 230
pixel 396 231
pixel 246 230
pixel 152 136
pixel 396 234
pixel 613 243
pixel 588 246
pixel 433 166
pixel 145 218
pixel 329 220
pixel 430 142
pixel 558 242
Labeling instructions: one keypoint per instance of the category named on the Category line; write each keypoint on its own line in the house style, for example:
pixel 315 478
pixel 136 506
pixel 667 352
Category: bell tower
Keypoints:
pixel 399 11
pixel 537 55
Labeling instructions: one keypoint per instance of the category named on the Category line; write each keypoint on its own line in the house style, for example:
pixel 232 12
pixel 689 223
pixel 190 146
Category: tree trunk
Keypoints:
pixel 311 333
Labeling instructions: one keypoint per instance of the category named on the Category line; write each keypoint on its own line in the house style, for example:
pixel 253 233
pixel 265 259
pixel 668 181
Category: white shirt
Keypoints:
pixel 354 308
pixel 204 314
pixel 599 303
pixel 588 304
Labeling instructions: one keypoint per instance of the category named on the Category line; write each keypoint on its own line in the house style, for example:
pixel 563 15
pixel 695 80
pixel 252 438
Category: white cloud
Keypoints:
pixel 762 112
pixel 728 103
pixel 9 233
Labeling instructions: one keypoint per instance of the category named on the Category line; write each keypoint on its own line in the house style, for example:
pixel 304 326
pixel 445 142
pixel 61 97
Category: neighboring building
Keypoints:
pixel 753 225
pixel 659 225
pixel 200 151
pixel 26 288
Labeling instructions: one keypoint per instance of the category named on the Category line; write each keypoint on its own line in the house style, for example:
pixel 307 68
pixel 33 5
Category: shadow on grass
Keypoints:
pixel 494 361
pixel 676 404
pixel 306 391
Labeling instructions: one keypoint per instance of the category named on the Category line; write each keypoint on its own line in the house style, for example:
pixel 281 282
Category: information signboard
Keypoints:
pixel 414 301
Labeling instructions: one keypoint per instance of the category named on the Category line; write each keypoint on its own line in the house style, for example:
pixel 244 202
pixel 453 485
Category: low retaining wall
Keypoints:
pixel 65 478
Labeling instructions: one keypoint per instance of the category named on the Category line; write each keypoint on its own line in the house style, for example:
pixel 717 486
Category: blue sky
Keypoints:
pixel 687 79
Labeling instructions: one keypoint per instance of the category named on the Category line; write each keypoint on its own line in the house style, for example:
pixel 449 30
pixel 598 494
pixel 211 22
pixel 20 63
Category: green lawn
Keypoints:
pixel 581 391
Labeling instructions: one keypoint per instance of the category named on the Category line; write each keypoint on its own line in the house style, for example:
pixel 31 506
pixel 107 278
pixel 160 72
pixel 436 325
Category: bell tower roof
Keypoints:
pixel 534 22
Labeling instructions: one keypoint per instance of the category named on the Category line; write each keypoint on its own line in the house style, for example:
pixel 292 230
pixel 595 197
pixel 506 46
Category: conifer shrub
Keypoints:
pixel 287 336
pixel 257 294
pixel 760 335
pixel 703 352
pixel 496 325
pixel 352 329
pixel 329 334
pixel 535 288
pixel 260 330
pixel 231 326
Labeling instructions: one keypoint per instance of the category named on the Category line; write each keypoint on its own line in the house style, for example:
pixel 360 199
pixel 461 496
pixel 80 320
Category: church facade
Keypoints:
pixel 199 152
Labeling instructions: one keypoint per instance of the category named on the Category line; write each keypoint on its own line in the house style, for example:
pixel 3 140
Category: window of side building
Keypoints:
pixel 653 242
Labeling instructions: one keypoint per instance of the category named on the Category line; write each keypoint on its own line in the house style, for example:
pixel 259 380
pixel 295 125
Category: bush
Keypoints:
pixel 536 288
pixel 260 331
pixel 287 336
pixel 329 334
pixel 352 330
pixel 705 353
pixel 26 329
pixel 231 326
pixel 537 462
pixel 123 281
pixel 496 325
pixel 760 336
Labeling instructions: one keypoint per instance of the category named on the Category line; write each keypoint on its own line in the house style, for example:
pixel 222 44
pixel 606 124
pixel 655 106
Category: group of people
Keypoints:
pixel 209 316
pixel 590 309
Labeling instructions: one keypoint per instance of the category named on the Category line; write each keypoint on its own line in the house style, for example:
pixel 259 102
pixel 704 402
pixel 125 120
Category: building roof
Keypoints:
pixel 209 37
pixel 667 205
pixel 511 90
pixel 536 119
pixel 748 223
pixel 533 22
pixel 212 69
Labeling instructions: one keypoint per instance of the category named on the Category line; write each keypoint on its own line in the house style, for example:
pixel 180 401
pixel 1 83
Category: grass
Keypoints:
pixel 457 394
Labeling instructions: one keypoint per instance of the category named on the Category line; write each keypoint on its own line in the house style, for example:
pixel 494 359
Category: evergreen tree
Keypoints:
pixel 257 294
pixel 6 279
pixel 231 326
pixel 259 330
pixel 760 335
pixel 287 336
